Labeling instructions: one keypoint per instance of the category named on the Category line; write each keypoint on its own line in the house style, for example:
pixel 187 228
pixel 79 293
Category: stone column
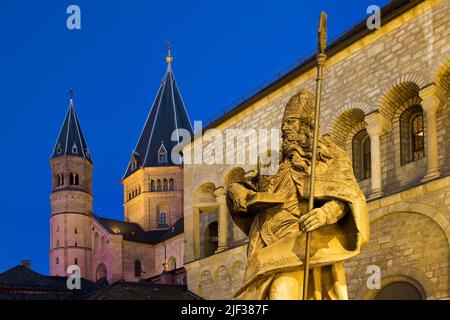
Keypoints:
pixel 376 126
pixel 430 104
pixel 223 218
pixel 196 232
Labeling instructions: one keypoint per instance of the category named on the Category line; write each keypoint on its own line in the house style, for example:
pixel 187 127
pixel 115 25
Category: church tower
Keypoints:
pixel 71 199
pixel 153 181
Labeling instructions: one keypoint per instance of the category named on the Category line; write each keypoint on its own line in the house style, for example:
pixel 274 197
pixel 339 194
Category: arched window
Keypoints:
pixel 158 185
pixel 71 179
pixel 57 260
pixel 62 179
pixel 137 268
pixel 76 261
pixel 57 180
pixel 417 137
pixel 171 185
pixel 152 185
pixel 172 263
pixel 211 239
pixel 163 218
pixel 77 179
pixel 139 189
pixel 76 244
pixel 361 155
pixel 412 135
pixel 165 185
pixel 76 231
pixel 96 241
pixel 74 149
pixel 100 272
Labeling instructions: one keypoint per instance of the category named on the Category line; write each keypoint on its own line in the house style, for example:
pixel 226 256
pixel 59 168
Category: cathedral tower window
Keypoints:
pixel 412 135
pixel 137 268
pixel 76 244
pixel 77 179
pixel 158 185
pixel 361 155
pixel 152 186
pixel 57 260
pixel 171 185
pixel 76 261
pixel 165 185
pixel 74 149
pixel 76 231
pixel 163 218
pixel 62 179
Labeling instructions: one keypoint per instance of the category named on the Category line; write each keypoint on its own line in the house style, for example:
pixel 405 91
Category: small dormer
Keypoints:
pixel 162 154
pixel 134 161
pixel 74 149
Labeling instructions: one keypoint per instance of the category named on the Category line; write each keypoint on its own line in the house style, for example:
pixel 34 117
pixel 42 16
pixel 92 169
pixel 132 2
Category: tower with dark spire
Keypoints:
pixel 153 180
pixel 71 198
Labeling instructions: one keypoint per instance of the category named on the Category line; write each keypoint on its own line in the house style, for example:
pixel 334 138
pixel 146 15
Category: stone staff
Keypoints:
pixel 321 58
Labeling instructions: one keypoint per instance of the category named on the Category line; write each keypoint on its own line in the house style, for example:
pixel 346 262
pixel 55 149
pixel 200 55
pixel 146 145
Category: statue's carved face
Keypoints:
pixel 297 131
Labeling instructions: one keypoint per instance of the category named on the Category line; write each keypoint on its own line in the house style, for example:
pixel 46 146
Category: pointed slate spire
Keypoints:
pixel 71 140
pixel 167 114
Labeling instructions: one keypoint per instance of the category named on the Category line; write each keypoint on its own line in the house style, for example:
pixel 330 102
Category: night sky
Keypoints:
pixel 222 49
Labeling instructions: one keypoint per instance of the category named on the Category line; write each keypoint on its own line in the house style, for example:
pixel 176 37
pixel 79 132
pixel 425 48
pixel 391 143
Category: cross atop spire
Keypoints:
pixel 71 92
pixel 169 58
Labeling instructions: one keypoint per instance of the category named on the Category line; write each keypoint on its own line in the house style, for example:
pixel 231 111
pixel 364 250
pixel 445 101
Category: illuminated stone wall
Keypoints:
pixel 368 83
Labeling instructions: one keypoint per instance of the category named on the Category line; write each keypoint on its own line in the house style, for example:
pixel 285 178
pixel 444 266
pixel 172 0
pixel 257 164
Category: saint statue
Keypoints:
pixel 273 212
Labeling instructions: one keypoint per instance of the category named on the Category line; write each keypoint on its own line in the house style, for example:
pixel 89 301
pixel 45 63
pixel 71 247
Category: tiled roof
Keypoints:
pixel 20 283
pixel 143 290
pixel 167 114
pixel 71 140
pixel 133 231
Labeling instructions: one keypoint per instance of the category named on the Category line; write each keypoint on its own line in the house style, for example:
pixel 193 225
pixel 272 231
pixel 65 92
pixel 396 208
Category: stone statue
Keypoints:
pixel 273 212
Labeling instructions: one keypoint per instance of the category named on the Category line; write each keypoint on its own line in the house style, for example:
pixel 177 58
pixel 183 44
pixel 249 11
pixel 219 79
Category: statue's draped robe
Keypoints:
pixel 276 242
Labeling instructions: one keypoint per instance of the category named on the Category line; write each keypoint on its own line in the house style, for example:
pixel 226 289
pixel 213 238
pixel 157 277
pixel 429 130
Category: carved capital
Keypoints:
pixel 220 193
pixel 377 124
pixel 431 98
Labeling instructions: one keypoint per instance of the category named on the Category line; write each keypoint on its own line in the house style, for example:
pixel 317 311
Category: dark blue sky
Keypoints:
pixel 222 49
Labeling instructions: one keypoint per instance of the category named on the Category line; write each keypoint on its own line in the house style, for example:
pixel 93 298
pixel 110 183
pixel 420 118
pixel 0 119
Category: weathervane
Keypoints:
pixel 169 58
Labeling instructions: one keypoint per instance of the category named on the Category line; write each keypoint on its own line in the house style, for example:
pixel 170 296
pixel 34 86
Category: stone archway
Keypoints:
pixel 400 288
pixel 406 247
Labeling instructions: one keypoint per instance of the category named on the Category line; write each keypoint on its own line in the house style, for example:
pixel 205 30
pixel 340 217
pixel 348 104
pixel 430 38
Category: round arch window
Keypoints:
pixel 399 291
